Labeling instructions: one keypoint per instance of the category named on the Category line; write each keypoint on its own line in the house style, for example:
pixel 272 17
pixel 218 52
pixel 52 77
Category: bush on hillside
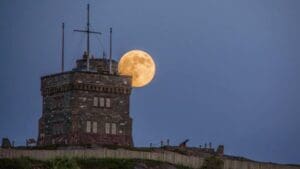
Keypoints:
pixel 212 162
pixel 64 163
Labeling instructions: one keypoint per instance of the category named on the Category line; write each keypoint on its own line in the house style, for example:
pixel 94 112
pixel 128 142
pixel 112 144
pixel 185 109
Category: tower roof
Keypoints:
pixel 99 65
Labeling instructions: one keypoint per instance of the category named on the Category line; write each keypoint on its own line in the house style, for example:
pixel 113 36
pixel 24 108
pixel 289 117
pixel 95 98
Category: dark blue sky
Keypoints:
pixel 227 71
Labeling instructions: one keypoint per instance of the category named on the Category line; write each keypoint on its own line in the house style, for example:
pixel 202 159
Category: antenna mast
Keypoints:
pixel 110 49
pixel 63 47
pixel 88 32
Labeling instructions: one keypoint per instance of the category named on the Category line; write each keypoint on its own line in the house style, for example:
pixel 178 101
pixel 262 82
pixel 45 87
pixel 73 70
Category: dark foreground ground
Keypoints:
pixel 90 163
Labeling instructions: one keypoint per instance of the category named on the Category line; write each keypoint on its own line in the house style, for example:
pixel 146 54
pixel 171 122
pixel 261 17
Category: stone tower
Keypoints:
pixel 83 107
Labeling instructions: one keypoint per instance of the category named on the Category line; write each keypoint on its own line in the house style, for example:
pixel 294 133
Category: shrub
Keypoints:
pixel 20 163
pixel 64 163
pixel 104 163
pixel 212 162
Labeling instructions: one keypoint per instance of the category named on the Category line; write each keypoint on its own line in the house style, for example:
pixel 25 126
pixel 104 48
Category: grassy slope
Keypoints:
pixel 80 163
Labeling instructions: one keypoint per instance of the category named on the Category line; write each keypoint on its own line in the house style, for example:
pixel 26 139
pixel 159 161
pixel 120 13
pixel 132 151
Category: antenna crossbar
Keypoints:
pixel 88 32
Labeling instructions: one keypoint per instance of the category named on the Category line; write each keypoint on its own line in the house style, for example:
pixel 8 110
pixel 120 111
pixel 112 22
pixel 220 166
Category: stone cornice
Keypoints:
pixel 85 87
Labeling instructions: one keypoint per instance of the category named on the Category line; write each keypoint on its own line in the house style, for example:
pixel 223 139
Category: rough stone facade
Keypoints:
pixel 83 107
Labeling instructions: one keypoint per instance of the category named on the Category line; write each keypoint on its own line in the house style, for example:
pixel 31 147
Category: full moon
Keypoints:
pixel 139 65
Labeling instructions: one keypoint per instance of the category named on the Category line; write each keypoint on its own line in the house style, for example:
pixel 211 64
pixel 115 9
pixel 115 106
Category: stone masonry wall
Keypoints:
pixel 69 109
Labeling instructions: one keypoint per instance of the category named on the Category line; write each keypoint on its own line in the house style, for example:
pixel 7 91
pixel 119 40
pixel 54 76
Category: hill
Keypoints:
pixel 85 163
